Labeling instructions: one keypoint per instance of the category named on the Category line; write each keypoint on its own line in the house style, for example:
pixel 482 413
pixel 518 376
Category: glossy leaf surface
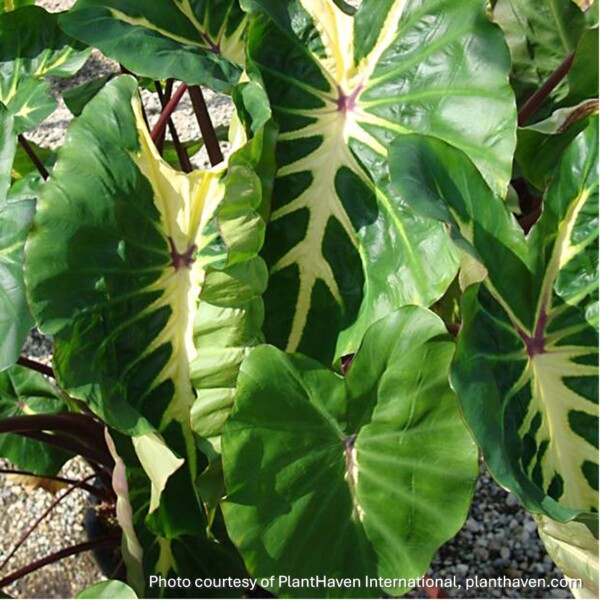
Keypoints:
pixel 25 392
pixel 128 261
pixel 196 41
pixel 527 360
pixel 331 456
pixel 165 244
pixel 342 246
pixel 33 47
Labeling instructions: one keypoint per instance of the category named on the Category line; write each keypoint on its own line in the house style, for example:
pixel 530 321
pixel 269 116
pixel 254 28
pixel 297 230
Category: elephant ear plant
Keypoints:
pixel 257 359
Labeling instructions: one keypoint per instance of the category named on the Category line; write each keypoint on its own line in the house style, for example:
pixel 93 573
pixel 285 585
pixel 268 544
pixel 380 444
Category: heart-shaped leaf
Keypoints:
pixel 128 317
pixel 127 261
pixel 342 246
pixel 348 478
pixel 526 369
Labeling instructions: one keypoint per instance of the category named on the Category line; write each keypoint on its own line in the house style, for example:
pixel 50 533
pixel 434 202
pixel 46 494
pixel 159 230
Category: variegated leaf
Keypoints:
pixel 33 47
pixel 342 246
pixel 127 261
pixel 126 314
pixel 197 41
pixel 526 368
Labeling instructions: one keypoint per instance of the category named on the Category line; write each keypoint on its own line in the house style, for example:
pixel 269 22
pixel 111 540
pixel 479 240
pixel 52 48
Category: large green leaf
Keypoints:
pixel 342 247
pixel 348 478
pixel 541 34
pixel 25 392
pixel 128 316
pixel 197 41
pixel 127 261
pixel 33 47
pixel 526 366
pixel 16 214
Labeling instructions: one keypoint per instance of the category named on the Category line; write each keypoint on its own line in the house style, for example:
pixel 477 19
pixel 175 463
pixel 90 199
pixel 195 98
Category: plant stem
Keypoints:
pixel 536 100
pixel 39 165
pixel 530 219
pixel 167 111
pixel 453 328
pixel 36 523
pixel 80 433
pixel 81 484
pixel 206 126
pixel 36 366
pixel 103 542
pixel 67 444
pixel 184 160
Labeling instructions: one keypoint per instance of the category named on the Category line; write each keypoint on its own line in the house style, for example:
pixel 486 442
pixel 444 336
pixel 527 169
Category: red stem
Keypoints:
pixel 163 97
pixel 536 100
pixel 36 366
pixel 453 329
pixel 36 523
pixel 168 110
pixel 39 165
pixel 80 433
pixel 103 542
pixel 211 141
pixel 184 160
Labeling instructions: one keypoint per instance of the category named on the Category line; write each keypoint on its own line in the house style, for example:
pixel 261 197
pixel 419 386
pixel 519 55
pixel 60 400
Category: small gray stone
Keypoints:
pixel 511 501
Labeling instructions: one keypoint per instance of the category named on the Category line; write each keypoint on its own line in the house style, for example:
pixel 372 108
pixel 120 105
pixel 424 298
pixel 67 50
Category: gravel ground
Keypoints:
pixel 499 538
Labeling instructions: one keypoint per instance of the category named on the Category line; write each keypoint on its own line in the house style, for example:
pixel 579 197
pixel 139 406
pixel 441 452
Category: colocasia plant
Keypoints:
pixel 286 364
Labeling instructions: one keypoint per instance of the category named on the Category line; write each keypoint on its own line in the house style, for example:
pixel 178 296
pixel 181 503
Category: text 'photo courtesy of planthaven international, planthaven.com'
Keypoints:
pixel 286 350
